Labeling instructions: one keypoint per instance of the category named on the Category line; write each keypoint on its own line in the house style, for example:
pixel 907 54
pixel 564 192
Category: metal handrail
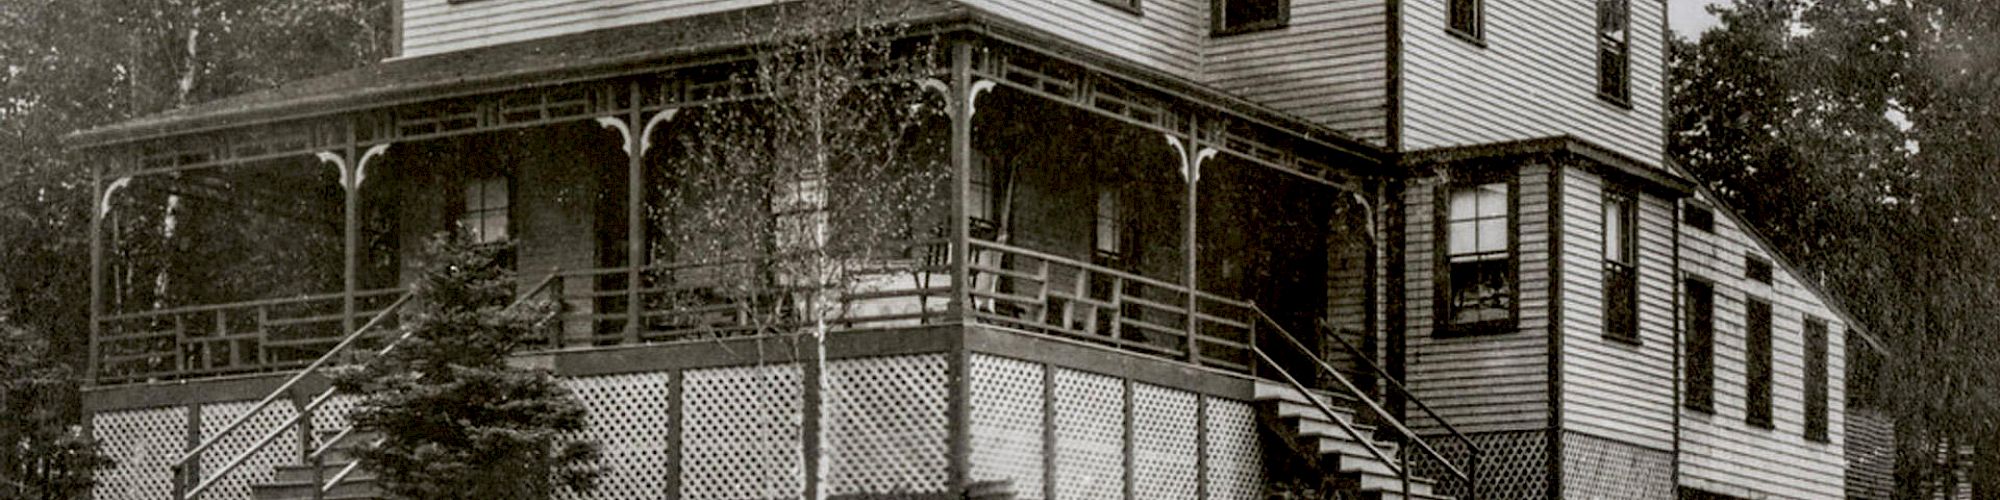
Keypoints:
pixel 181 466
pixel 1470 447
pixel 1356 392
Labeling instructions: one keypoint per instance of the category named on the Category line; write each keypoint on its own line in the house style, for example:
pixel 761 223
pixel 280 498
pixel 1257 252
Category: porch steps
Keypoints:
pixel 297 482
pixel 1344 460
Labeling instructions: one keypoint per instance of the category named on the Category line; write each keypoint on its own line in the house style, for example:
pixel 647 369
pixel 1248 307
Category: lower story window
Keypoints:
pixel 1479 260
pixel 484 218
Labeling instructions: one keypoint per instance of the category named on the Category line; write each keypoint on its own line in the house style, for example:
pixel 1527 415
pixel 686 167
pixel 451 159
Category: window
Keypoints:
pixel 1757 361
pixel 1756 269
pixel 979 201
pixel 1700 355
pixel 1479 266
pixel 1614 47
pixel 1131 6
pixel 1816 379
pixel 1241 16
pixel 1621 267
pixel 1699 218
pixel 1107 231
pixel 485 215
pixel 1466 18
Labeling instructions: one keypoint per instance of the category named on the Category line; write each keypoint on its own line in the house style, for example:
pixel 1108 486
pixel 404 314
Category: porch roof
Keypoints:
pixel 630 50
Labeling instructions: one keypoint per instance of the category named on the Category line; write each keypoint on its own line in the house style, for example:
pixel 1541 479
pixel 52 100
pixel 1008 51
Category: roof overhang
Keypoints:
pixel 1609 163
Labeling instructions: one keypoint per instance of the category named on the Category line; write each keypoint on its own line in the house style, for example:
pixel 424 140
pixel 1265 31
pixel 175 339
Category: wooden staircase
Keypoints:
pixel 1346 463
pixel 299 481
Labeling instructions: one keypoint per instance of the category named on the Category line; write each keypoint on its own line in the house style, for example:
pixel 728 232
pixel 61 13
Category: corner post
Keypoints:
pixel 960 97
pixel 97 214
pixel 1191 172
pixel 635 211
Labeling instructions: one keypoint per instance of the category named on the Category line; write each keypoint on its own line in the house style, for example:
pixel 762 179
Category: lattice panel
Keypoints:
pixel 743 426
pixel 145 443
pixel 284 449
pixel 628 416
pixel 1235 457
pixel 1090 435
pixel 1515 466
pixel 1595 467
pixel 1006 425
pixel 1163 443
pixel 885 425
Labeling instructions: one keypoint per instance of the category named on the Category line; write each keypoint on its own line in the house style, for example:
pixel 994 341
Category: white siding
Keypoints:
pixel 1482 383
pixel 1719 452
pixel 1330 66
pixel 1613 389
pixel 1536 77
pixel 435 26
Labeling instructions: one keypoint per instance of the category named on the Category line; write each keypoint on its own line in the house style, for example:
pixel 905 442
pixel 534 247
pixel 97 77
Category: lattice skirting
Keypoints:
pixel 884 425
pixel 145 442
pixel 1595 467
pixel 1515 465
pixel 629 417
pixel 744 433
pixel 1106 431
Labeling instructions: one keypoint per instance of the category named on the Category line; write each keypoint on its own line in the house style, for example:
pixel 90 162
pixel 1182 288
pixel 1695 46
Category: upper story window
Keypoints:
pixel 1699 217
pixel 1479 287
pixel 1699 358
pixel 1621 267
pixel 1240 16
pixel 1816 379
pixel 1614 47
pixel 1756 269
pixel 1131 6
pixel 1467 18
pixel 1757 363
pixel 485 215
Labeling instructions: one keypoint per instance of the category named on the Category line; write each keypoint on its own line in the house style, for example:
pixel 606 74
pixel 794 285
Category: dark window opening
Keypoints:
pixel 1240 16
pixel 1621 267
pixel 1699 218
pixel 1757 361
pixel 1700 354
pixel 1131 6
pixel 1466 18
pixel 1614 47
pixel 1816 379
pixel 1756 269
pixel 1479 251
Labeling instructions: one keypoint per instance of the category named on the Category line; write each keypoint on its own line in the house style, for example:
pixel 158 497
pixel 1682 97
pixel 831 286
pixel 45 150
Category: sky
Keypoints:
pixel 1687 17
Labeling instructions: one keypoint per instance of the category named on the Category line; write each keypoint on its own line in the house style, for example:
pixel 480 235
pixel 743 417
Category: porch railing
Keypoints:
pixel 244 337
pixel 1051 294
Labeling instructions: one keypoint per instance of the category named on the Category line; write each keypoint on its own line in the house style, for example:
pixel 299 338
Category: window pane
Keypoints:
pixel 1107 222
pixel 1493 235
pixel 496 193
pixel 1464 240
pixel 1480 291
pixel 1493 200
pixel 1463 202
pixel 1613 227
pixel 472 197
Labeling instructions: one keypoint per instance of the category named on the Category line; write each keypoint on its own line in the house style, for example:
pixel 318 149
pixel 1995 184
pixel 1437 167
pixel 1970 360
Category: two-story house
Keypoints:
pixel 1193 249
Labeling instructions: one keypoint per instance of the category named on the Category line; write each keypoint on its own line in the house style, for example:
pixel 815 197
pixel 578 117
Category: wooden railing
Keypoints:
pixel 243 337
pixel 1046 293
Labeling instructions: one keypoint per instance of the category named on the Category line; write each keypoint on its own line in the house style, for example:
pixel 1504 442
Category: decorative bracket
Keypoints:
pixel 104 199
pixel 351 176
pixel 1190 166
pixel 624 131
pixel 646 134
pixel 980 86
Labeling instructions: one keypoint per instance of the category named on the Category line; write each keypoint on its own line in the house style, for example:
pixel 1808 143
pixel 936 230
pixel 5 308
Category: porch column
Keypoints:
pixel 97 214
pixel 351 236
pixel 1192 154
pixel 635 211
pixel 958 106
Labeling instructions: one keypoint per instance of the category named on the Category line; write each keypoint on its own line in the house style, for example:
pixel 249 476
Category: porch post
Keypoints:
pixel 1191 172
pixel 635 212
pixel 959 109
pixel 350 278
pixel 97 214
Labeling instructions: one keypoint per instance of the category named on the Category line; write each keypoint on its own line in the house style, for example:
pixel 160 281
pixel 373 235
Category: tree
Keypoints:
pixel 42 456
pixel 456 420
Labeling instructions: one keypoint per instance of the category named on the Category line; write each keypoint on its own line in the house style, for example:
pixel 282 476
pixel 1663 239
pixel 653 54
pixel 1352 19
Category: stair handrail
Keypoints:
pixel 1354 391
pixel 180 466
pixel 1475 454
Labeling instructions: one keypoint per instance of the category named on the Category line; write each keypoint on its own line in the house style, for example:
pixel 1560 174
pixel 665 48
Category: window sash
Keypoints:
pixel 1464 17
pixel 1757 358
pixel 1614 35
pixel 1816 383
pixel 485 215
pixel 1700 354
pixel 1479 286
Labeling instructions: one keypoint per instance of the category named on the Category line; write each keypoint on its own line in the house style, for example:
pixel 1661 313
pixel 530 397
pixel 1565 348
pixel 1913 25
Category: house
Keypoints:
pixel 1181 249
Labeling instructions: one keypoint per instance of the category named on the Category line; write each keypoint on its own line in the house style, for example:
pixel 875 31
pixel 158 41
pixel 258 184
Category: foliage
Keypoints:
pixel 41 455
pixel 1856 131
pixel 457 420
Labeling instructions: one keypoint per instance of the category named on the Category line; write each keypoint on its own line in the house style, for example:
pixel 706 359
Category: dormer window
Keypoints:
pixel 1467 19
pixel 1614 47
pixel 1242 16
pixel 485 217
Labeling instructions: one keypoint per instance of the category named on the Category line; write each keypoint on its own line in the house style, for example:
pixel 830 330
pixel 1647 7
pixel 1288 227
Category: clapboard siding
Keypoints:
pixel 1613 389
pixel 1483 383
pixel 1536 77
pixel 1719 451
pixel 1330 66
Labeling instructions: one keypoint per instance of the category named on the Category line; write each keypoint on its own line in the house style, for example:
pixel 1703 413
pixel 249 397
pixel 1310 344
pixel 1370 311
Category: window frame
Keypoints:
pixel 1705 223
pixel 1622 95
pixel 1476 12
pixel 1134 7
pixel 1698 359
pixel 1219 19
pixel 1442 311
pixel 1759 363
pixel 1114 222
pixel 1624 266
pixel 1818 379
pixel 467 211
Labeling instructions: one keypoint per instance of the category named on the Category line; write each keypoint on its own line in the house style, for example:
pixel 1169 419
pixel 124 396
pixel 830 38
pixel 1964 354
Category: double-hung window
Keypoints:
pixel 1816 379
pixel 485 215
pixel 1699 358
pixel 1757 363
pixel 1621 267
pixel 1466 18
pixel 1479 286
pixel 1107 228
pixel 1614 48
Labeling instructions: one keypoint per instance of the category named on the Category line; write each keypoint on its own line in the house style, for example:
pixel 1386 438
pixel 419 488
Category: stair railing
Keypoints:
pixel 1474 454
pixel 183 467
pixel 1400 467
